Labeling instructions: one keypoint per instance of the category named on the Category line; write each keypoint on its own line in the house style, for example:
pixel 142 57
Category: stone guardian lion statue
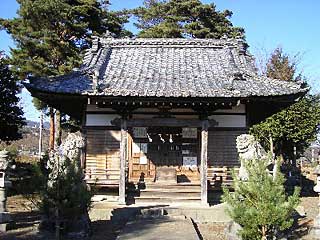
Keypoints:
pixel 248 148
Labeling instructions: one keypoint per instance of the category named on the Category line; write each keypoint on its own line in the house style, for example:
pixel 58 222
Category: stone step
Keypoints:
pixel 169 190
pixel 172 186
pixel 170 194
pixel 168 200
pixel 100 214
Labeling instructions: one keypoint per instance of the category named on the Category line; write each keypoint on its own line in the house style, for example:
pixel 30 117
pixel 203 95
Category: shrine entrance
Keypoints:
pixel 164 154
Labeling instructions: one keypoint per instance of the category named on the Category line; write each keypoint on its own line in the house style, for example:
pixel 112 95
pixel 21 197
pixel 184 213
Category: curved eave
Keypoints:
pixel 288 97
pixel 278 98
pixel 71 104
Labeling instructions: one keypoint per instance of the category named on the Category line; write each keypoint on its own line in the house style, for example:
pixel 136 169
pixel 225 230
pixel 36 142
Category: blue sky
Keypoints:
pixel 292 24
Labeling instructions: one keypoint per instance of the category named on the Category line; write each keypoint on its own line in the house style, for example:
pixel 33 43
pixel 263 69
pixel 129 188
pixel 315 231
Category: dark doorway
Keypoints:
pixel 165 147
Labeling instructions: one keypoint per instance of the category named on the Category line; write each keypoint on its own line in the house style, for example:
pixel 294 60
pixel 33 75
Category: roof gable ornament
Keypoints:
pixel 229 85
pixel 108 35
pixel 224 37
pixel 95 81
pixel 242 46
pixel 95 44
pixel 238 76
pixel 235 76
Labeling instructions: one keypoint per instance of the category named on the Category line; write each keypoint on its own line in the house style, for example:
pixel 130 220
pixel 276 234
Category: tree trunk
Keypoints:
pixel 274 160
pixel 40 135
pixel 52 129
pixel 271 146
pixel 275 169
pixel 312 155
pixel 264 233
pixel 58 129
pixel 57 223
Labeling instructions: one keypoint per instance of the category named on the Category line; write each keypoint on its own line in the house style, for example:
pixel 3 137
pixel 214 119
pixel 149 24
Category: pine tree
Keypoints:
pixel 183 18
pixel 11 115
pixel 50 36
pixel 68 193
pixel 260 205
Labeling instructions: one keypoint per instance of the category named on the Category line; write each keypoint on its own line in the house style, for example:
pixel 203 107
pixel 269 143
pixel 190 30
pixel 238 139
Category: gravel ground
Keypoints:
pixel 212 231
pixel 27 222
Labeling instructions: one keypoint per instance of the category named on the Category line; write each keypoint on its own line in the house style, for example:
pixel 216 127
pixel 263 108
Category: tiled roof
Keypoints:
pixel 167 68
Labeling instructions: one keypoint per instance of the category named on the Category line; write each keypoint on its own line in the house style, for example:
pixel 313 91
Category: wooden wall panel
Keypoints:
pixel 222 150
pixel 103 154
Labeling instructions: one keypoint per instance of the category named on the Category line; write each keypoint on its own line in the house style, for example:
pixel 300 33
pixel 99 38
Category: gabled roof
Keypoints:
pixel 167 68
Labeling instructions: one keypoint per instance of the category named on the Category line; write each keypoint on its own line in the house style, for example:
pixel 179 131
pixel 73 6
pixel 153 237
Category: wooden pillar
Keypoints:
pixel 123 151
pixel 52 129
pixel 204 162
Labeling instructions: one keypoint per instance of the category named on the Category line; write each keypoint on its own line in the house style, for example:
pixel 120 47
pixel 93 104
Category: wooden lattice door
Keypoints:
pixel 141 167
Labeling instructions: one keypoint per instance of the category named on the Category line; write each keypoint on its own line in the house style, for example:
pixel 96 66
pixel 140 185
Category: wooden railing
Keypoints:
pixel 216 176
pixel 102 177
pixel 220 176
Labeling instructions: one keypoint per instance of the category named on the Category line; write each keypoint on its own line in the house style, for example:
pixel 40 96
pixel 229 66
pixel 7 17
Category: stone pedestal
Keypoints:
pixel 3 200
pixel 315 231
pixel 5 219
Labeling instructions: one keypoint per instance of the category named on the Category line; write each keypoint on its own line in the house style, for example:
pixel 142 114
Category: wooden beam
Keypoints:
pixel 123 151
pixel 204 162
pixel 170 122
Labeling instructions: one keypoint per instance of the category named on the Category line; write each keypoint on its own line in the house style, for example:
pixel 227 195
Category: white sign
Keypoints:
pixel 135 148
pixel 144 147
pixel 189 132
pixel 139 147
pixel 185 152
pixel 143 160
pixel 139 132
pixel 189 161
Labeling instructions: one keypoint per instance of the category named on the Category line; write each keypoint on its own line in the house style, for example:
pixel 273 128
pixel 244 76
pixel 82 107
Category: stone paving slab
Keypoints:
pixel 199 214
pixel 211 214
pixel 165 228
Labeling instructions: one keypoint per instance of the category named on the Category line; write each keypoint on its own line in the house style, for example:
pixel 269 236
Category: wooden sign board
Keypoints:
pixel 189 161
pixel 139 132
pixel 189 132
